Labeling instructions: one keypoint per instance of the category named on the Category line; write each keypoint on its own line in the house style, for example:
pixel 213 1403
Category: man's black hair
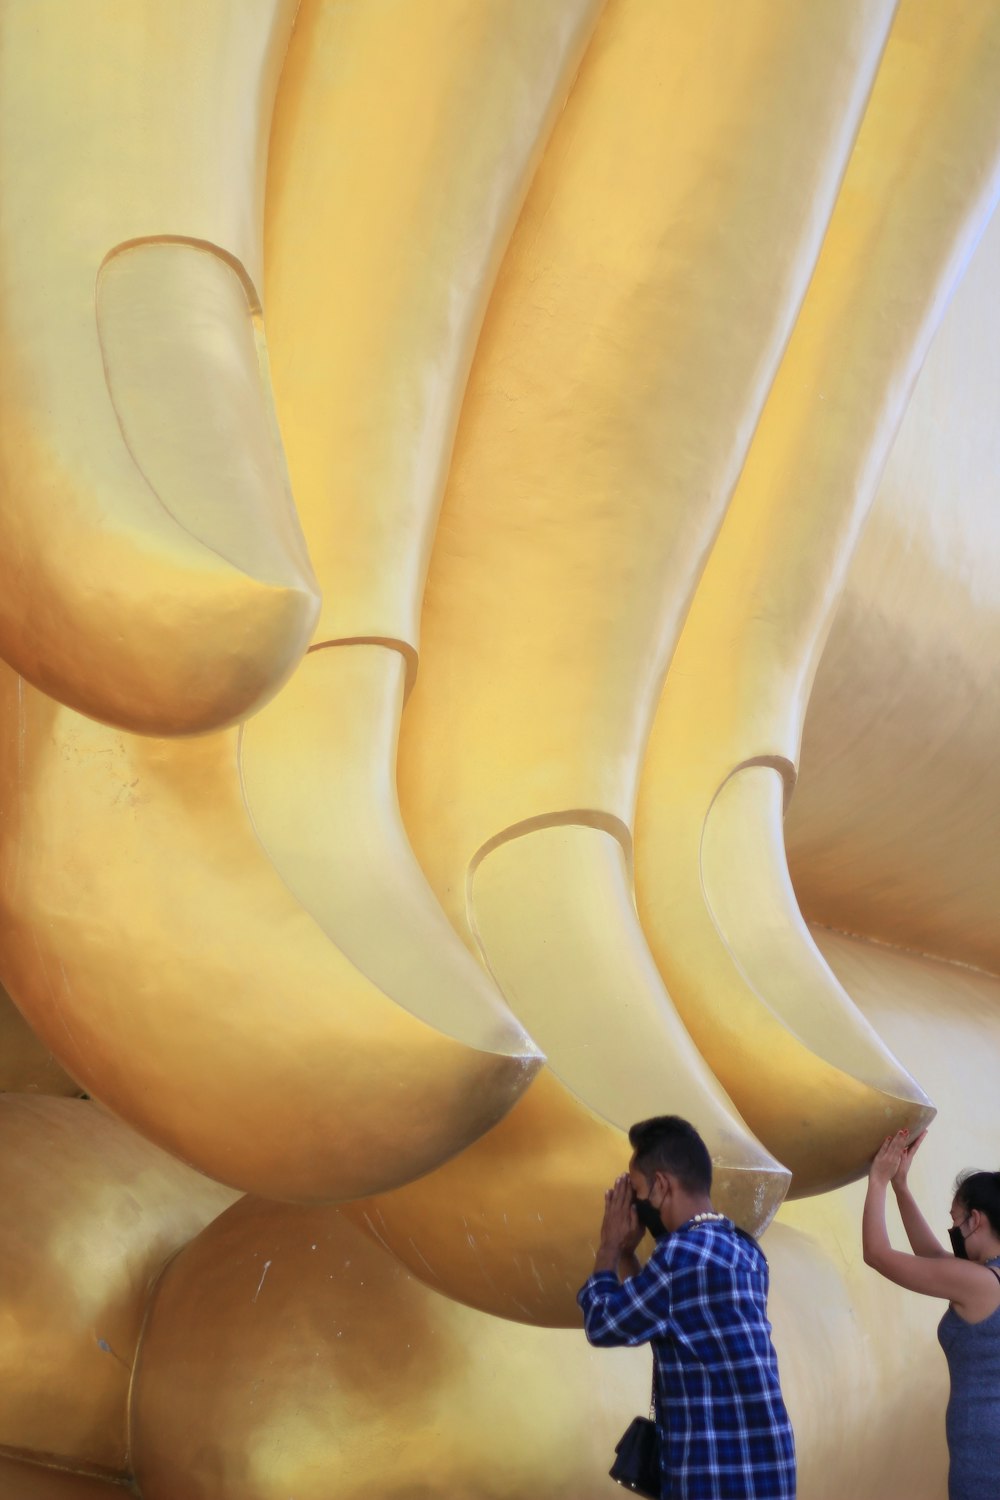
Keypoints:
pixel 669 1144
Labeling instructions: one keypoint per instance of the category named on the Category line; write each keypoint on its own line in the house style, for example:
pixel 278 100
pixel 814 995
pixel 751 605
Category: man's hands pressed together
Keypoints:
pixel 620 1231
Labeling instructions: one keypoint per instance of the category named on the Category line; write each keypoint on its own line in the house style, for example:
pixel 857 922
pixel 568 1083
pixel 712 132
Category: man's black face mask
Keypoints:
pixel 958 1241
pixel 649 1218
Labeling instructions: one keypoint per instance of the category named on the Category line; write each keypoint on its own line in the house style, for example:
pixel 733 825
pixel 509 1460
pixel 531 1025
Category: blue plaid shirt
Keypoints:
pixel 701 1300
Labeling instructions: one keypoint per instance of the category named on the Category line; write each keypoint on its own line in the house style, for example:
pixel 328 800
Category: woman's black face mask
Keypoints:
pixel 649 1218
pixel 958 1240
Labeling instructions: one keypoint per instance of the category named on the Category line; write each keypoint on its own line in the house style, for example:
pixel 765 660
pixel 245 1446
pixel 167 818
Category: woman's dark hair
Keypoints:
pixel 669 1144
pixel 980 1190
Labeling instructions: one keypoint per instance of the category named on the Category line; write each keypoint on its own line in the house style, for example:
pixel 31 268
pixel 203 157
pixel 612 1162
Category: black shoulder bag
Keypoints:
pixel 637 1462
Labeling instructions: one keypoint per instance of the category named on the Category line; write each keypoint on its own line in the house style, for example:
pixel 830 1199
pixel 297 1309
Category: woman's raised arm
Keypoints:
pixel 923 1240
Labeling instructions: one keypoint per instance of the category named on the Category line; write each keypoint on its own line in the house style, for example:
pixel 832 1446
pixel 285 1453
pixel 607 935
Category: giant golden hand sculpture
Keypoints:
pixel 470 468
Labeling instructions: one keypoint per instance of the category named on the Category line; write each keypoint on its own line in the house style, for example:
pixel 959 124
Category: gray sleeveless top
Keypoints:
pixel 973 1418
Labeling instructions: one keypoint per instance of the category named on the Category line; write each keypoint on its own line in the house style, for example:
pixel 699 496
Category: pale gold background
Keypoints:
pixel 476 478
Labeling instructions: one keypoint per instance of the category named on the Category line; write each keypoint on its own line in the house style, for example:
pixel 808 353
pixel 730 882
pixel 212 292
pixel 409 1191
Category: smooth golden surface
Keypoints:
pixel 325 1369
pixel 851 1344
pixel 615 456
pixel 26 1067
pixel 532 886
pixel 290 934
pixel 156 950
pixel 21 1481
pixel 385 226
pixel 328 1368
pixel 591 471
pixel 840 1087
pixel 346 857
pixel 723 924
pixel 666 273
pixel 368 390
pixel 154 573
pixel 904 712
pixel 509 1225
pixel 92 1212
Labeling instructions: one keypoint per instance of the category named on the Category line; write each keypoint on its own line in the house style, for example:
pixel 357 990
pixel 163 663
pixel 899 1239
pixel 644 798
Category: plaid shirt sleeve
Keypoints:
pixel 702 1299
pixel 630 1312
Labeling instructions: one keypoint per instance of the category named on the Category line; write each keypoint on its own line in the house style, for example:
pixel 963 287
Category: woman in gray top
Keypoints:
pixel 969 1277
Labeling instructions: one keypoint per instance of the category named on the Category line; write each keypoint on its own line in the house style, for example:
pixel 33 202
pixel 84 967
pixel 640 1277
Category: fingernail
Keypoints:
pixel 226 484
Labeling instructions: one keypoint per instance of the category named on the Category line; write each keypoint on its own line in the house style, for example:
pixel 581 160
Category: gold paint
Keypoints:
pixel 638 263
pixel 369 386
pixel 26 1067
pixel 554 880
pixel 385 226
pixel 839 1327
pixel 29 1481
pixel 136 422
pixel 611 402
pixel 713 893
pixel 588 481
pixel 893 830
pixel 333 1372
pixel 159 954
pixel 92 1212
pixel 331 1369
pixel 345 855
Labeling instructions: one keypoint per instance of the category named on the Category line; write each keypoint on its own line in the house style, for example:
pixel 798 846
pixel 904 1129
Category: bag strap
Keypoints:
pixel 652 1394
pixel 994 1269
